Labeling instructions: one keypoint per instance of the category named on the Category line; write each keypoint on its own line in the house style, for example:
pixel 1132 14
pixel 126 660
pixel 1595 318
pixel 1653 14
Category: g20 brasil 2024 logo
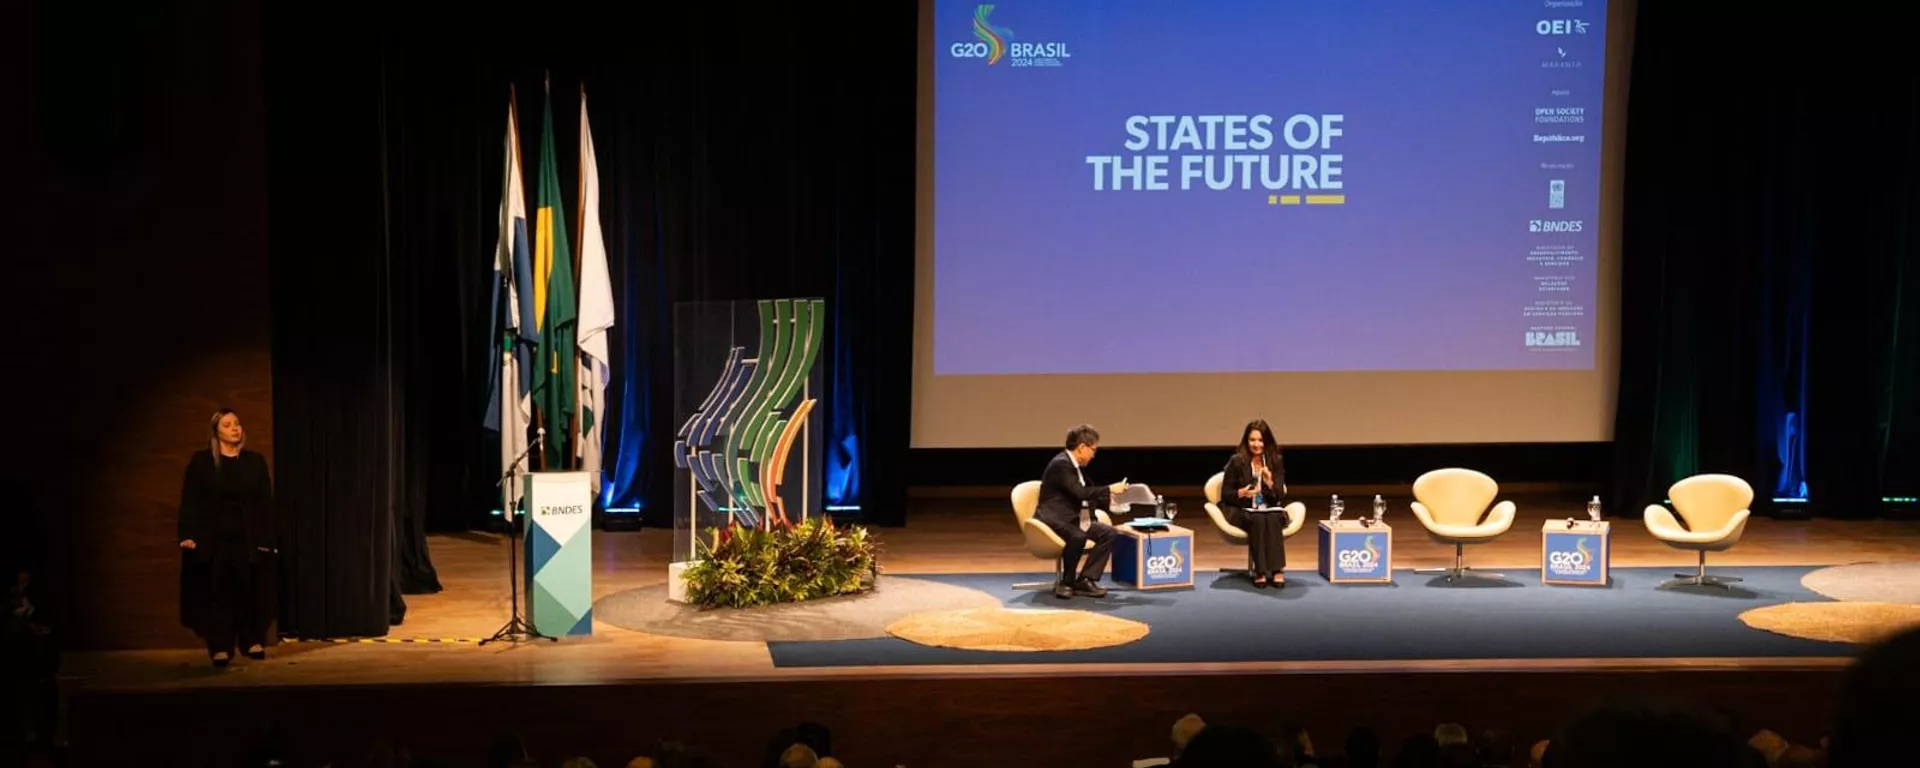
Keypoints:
pixel 1360 560
pixel 1167 566
pixel 995 43
pixel 1576 563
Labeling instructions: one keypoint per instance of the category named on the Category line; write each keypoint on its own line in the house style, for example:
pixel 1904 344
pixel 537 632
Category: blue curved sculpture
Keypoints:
pixel 692 450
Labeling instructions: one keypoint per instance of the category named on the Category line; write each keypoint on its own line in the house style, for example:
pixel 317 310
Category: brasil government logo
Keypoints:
pixel 996 43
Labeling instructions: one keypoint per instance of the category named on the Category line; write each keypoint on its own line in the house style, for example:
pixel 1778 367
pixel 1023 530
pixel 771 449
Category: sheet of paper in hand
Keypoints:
pixel 1137 493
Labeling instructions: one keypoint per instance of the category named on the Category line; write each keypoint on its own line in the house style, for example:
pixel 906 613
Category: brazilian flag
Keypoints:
pixel 555 388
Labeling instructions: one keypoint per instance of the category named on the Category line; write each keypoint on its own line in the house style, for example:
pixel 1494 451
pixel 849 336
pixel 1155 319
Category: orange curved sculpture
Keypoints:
pixel 775 469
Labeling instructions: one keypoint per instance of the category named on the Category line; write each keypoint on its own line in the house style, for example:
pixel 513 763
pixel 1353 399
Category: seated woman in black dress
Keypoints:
pixel 1255 480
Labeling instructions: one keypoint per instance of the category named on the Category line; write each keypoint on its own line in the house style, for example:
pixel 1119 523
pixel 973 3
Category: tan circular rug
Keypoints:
pixel 850 617
pixel 1861 623
pixel 1868 582
pixel 1000 629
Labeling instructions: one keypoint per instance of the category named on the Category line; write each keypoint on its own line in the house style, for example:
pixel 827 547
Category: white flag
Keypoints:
pixel 596 309
pixel 511 408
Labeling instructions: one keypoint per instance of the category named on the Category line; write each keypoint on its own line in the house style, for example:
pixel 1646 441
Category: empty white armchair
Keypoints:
pixel 1713 513
pixel 1296 518
pixel 1042 542
pixel 1452 504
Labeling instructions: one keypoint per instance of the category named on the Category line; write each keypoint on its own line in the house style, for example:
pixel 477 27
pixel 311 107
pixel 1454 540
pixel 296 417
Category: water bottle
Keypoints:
pixel 1336 508
pixel 1379 508
pixel 1593 509
pixel 1159 506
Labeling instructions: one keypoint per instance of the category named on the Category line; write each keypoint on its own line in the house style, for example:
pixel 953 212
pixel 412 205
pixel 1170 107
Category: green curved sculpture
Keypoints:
pixel 790 337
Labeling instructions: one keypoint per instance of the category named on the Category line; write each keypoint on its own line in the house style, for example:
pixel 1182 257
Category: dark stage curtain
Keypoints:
pixel 1767 327
pixel 742 162
pixel 355 385
pixel 737 161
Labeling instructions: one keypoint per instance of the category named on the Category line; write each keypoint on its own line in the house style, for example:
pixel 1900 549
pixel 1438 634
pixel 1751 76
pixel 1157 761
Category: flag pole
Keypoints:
pixel 580 230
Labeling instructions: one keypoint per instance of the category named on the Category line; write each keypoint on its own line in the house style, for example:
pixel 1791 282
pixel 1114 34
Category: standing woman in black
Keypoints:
pixel 1254 479
pixel 227 543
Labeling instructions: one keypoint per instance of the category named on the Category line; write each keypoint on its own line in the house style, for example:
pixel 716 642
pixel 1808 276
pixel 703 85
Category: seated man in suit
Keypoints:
pixel 1063 494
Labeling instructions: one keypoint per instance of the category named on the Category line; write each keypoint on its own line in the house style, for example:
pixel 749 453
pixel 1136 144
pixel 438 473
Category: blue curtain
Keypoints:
pixel 846 418
pixel 644 307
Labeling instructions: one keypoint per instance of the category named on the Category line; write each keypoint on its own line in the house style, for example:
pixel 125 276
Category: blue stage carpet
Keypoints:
pixel 1224 619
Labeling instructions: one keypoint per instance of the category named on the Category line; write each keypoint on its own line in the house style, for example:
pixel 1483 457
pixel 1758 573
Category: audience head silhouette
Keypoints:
pixel 1646 734
pixel 1226 746
pixel 1878 706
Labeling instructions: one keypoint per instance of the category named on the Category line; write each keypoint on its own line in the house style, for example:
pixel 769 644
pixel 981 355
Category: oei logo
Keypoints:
pixel 1556 225
pixel 1560 27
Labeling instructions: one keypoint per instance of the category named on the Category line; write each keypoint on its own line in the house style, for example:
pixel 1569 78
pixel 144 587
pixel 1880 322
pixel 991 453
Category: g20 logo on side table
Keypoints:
pixel 1574 557
pixel 1170 566
pixel 1362 561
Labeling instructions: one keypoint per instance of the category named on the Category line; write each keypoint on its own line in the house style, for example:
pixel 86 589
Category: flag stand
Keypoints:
pixel 517 629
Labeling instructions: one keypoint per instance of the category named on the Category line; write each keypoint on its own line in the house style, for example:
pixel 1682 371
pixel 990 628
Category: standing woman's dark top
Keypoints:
pixel 227 543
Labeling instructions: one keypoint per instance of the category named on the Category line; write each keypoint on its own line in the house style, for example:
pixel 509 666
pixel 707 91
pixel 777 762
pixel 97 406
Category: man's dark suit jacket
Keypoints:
pixel 1061 492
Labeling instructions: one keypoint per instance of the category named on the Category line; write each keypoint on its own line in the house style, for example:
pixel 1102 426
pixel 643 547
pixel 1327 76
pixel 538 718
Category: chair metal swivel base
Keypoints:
pixel 1700 578
pixel 1459 569
pixel 1046 586
pixel 1245 570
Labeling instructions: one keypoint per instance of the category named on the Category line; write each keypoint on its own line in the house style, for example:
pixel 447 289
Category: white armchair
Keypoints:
pixel 1452 504
pixel 1041 541
pixel 1296 518
pixel 1713 513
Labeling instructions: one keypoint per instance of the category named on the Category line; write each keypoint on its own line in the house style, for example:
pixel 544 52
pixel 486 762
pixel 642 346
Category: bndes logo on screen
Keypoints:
pixel 1556 225
pixel 1560 27
pixel 996 43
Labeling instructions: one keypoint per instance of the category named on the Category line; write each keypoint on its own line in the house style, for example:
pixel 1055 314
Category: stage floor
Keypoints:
pixel 945 536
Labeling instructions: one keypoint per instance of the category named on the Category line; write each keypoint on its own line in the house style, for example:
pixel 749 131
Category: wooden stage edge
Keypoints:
pixel 954 535
pixel 665 687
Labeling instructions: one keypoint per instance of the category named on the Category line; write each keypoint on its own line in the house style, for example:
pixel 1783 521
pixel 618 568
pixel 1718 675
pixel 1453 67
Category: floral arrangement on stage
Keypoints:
pixel 746 566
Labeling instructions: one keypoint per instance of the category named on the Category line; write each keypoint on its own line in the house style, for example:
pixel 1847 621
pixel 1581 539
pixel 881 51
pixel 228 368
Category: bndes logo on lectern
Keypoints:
pixel 562 509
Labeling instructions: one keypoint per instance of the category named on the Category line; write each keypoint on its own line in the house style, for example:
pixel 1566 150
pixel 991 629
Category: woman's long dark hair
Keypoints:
pixel 1244 455
pixel 213 434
